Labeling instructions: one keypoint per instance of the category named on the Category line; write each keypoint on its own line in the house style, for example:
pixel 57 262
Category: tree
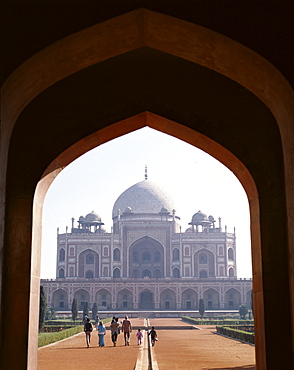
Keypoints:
pixel 43 307
pixel 86 309
pixel 74 309
pixel 94 310
pixel 201 307
pixel 243 310
pixel 50 314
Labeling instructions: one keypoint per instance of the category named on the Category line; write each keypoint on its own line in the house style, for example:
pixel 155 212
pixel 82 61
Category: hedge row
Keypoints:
pixel 45 339
pixel 55 328
pixel 63 322
pixel 212 321
pixel 236 334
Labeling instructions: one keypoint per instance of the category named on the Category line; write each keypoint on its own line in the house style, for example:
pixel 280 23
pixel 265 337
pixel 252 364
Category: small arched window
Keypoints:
pixel 231 254
pixel 61 273
pixel 135 274
pixel 116 254
pixel 135 257
pixel 71 251
pixel 231 272
pixel 203 274
pixel 146 257
pixel 146 274
pixel 157 256
pixel 89 259
pixel 203 258
pixel 187 251
pixel 61 255
pixel 157 274
pixel 105 271
pixel 105 252
pixel 116 273
pixel 71 271
pixel 176 273
pixel 176 254
pixel 89 274
pixel 221 271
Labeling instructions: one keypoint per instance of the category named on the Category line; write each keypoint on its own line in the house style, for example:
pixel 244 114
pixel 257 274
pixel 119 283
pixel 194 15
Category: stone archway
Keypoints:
pixel 228 59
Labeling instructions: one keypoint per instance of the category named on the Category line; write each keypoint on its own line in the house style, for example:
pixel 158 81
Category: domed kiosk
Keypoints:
pixel 146 262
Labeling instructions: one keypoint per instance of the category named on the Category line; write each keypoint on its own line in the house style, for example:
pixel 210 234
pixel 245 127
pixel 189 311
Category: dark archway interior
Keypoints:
pixel 146 301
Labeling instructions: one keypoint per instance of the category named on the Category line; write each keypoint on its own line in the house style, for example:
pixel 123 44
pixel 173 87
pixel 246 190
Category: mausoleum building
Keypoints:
pixel 147 262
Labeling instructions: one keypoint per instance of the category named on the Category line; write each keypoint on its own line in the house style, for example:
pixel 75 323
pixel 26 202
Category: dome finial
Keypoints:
pixel 146 176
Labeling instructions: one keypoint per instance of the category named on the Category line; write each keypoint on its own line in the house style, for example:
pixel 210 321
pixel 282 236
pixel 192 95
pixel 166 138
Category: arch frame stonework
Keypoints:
pixel 188 42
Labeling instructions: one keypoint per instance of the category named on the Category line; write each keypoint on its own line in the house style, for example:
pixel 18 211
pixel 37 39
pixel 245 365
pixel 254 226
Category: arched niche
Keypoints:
pixel 82 296
pixel 60 299
pixel 146 300
pixel 146 256
pixel 103 299
pixel 189 299
pixel 232 299
pixel 211 299
pixel 88 264
pixel 204 261
pixel 237 81
pixel 124 299
pixel 168 299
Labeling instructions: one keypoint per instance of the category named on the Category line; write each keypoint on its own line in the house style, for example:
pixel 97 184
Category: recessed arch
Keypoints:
pixel 211 299
pixel 60 299
pixel 88 264
pixel 146 300
pixel 189 299
pixel 253 72
pixel 125 299
pixel 103 298
pixel 232 299
pixel 82 296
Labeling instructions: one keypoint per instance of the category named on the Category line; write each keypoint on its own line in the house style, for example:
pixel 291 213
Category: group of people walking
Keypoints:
pixel 116 327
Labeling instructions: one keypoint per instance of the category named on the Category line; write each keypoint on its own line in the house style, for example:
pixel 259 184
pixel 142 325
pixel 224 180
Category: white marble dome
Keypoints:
pixel 144 197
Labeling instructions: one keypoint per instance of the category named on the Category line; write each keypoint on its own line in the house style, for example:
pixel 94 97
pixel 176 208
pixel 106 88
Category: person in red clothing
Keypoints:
pixel 127 329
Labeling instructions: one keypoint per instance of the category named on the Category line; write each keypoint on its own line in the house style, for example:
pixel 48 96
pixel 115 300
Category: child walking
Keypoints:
pixel 139 336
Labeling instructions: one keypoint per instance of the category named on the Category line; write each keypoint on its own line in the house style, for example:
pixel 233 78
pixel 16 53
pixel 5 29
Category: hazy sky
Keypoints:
pixel 194 179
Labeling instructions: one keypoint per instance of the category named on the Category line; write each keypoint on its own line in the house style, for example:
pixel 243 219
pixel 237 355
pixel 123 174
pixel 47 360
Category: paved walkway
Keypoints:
pixel 200 349
pixel 176 349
